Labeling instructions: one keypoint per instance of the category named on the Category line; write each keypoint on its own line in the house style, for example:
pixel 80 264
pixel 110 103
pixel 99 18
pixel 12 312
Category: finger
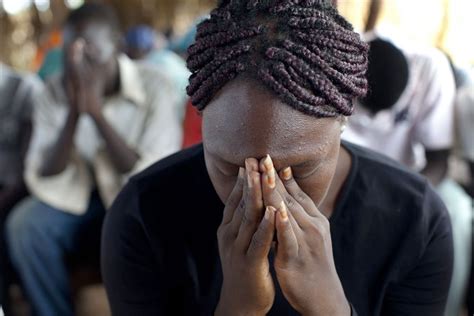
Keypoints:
pixel 292 187
pixel 271 197
pixel 287 242
pixel 299 217
pixel 234 198
pixel 274 193
pixel 252 164
pixel 240 209
pixel 253 213
pixel 261 241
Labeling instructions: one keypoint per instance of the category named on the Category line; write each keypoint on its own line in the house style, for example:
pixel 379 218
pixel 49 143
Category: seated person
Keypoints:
pixel 104 119
pixel 465 130
pixel 409 116
pixel 272 214
pixel 17 94
pixel 143 43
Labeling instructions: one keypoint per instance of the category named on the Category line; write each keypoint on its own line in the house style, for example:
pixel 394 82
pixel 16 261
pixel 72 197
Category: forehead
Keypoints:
pixel 94 32
pixel 247 120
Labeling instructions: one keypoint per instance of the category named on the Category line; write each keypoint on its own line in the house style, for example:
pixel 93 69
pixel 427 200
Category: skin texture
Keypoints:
pixel 91 74
pixel 242 125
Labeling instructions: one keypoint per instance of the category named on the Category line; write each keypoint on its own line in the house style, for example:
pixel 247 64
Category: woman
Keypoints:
pixel 272 214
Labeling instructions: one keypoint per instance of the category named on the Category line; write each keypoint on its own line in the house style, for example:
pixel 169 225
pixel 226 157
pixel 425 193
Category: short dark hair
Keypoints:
pixel 96 13
pixel 387 74
pixel 302 50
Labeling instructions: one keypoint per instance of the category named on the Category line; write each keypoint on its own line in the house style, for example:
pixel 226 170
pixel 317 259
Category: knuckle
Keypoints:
pixel 301 196
pixel 247 219
pixel 315 229
pixel 325 225
pixel 290 202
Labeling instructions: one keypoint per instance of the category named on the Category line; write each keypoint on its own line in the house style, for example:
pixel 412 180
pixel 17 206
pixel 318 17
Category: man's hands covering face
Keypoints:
pixel 85 79
pixel 264 203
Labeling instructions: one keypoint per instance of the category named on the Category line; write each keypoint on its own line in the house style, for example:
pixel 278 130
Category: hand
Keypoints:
pixel 85 82
pixel 245 237
pixel 304 262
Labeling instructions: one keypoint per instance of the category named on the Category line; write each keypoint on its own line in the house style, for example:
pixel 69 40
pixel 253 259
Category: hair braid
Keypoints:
pixel 302 50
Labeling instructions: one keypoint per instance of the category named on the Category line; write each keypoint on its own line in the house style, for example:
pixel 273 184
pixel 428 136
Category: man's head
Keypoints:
pixel 275 77
pixel 387 74
pixel 98 27
pixel 139 40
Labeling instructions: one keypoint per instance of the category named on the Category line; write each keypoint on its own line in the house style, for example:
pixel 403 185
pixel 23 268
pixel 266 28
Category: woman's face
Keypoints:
pixel 245 120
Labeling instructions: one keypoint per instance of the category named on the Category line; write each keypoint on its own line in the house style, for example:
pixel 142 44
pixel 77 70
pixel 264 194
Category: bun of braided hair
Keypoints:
pixel 302 50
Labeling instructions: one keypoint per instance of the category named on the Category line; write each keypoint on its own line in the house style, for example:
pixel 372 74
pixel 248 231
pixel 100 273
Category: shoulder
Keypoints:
pixel 165 182
pixel 392 190
pixel 153 76
pixel 176 165
pixel 397 206
pixel 392 195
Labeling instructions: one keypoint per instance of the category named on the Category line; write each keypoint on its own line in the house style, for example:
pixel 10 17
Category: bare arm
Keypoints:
pixel 59 154
pixel 122 156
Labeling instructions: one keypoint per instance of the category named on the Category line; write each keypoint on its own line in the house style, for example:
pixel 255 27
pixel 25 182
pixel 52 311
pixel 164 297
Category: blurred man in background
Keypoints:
pixel 144 44
pixel 17 95
pixel 409 116
pixel 102 120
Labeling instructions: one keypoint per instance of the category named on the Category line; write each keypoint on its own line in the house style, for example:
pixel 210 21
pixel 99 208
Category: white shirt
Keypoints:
pixel 142 114
pixel 465 121
pixel 422 118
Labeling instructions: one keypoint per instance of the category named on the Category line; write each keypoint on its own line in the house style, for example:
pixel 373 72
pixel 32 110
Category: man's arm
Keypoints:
pixel 58 157
pixel 122 156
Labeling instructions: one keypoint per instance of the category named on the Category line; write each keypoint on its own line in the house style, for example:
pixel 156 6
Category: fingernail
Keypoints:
pixel 286 174
pixel 270 180
pixel 268 163
pixel 241 172
pixel 283 211
pixel 268 212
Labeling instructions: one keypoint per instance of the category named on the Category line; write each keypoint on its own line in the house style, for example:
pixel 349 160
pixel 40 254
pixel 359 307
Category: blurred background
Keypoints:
pixel 31 27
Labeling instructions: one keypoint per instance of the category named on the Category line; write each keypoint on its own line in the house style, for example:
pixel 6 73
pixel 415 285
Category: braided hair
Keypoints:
pixel 302 50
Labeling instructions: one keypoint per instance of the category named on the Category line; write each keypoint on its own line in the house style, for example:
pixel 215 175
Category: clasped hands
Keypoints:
pixel 265 203
pixel 85 79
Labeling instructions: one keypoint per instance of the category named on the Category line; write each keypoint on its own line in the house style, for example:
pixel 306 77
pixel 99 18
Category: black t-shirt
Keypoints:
pixel 390 232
